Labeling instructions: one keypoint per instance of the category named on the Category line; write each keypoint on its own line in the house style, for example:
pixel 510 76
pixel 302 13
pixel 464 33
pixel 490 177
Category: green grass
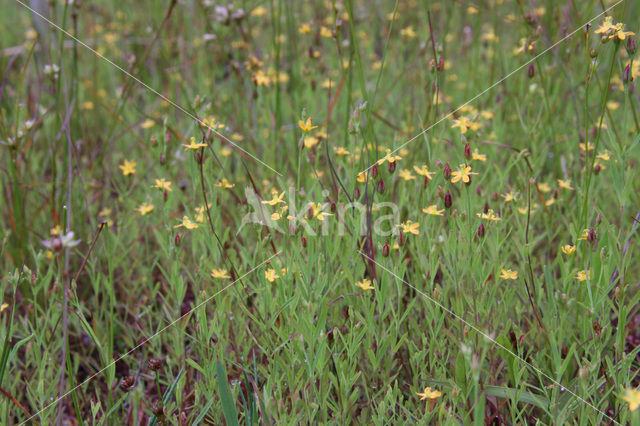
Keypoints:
pixel 281 334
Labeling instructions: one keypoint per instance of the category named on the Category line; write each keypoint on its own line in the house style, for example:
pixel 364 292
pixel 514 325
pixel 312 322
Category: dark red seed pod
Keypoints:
pixel 597 169
pixel 385 249
pixel 177 239
pixel 356 193
pixel 479 190
pixel 304 241
pixel 446 172
pixel 155 364
pixel 163 160
pixel 333 207
pixel 631 45
pixel 447 200
pixel 591 236
pixel 127 383
pixel 380 186
pixel 392 166
pixel 531 72
pixel 467 151
pixel 374 171
pixel 426 181
pixel 440 65
pixel 480 232
pixel 486 208
pixel 401 239
pixel 165 194
pixel 626 73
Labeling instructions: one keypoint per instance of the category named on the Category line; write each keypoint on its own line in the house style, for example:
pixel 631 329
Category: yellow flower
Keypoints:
pixel 508 274
pixel 408 32
pixel 429 394
pixel 271 275
pixel 224 183
pixel 340 151
pixel 304 29
pixel 423 171
pixel 433 210
pixel 463 173
pixel 610 31
pixel 276 216
pixel 410 227
pixel 162 185
pixel 568 249
pixel 632 397
pixel 193 144
pixel 128 168
pixel 465 124
pixel 477 156
pixel 389 157
pixel 566 184
pixel 148 123
pixel 583 275
pixel 525 45
pixel 277 199
pixel 306 126
pixel 187 223
pixel 259 11
pixel 316 211
pixel 220 273
pixel 509 196
pixel 325 32
pixel 261 78
pixel 144 208
pixel 406 174
pixel 56 230
pixel 200 214
pixel 365 284
pixel 544 187
pixel 489 215
pixel 604 156
pixel 362 177
pixel 310 141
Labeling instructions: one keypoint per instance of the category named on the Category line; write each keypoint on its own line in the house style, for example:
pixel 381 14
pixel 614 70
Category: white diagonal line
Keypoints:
pixel 449 114
pixel 494 341
pixel 147 339
pixel 145 85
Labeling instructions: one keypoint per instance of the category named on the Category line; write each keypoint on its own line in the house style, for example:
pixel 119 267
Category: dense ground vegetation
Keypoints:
pixel 288 212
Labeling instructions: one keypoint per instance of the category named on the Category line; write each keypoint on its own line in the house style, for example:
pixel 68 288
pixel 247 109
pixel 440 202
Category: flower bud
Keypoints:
pixel 446 172
pixel 155 364
pixel 467 151
pixel 631 46
pixel 440 65
pixel 374 171
pixel 591 236
pixel 177 239
pixel 480 232
pixel 597 168
pixel 401 239
pixel 447 200
pixel 163 160
pixel 626 74
pixel 356 193
pixel 486 208
pixel 380 186
pixel 392 166
pixel 385 250
pixel 440 192
pixel 531 72
pixel 165 194
pixel 127 383
pixel 304 241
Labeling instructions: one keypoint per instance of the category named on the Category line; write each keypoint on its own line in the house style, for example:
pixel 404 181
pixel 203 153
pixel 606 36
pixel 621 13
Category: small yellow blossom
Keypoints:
pixel 193 144
pixel 583 275
pixel 544 187
pixel 566 184
pixel 429 394
pixel 568 249
pixel 406 174
pixel 632 397
pixel 610 31
pixel 463 173
pixel 224 184
pixel 277 199
pixel 220 273
pixel 604 156
pixel 56 230
pixel 304 28
pixel 509 196
pixel 433 210
pixel 310 141
pixel 362 177
pixel 326 32
pixel 186 223
pixel 410 227
pixel 128 167
pixel 259 11
pixel 489 215
pixel 423 171
pixel 465 124
pixel 340 151
pixel 144 208
pixel 316 211
pixel 148 123
pixel 306 126
pixel 390 157
pixel 271 275
pixel 365 284
pixel 477 156
pixel 162 185
pixel 408 32
pixel 508 274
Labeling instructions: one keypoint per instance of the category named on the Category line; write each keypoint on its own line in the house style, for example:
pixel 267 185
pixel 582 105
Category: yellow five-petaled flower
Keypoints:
pixel 144 208
pixel 306 125
pixel 632 397
pixel 187 223
pixel 271 275
pixel 433 210
pixel 568 249
pixel 429 394
pixel 162 185
pixel 128 168
pixel 508 274
pixel 410 227
pixel 463 173
pixel 220 273
pixel 365 284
